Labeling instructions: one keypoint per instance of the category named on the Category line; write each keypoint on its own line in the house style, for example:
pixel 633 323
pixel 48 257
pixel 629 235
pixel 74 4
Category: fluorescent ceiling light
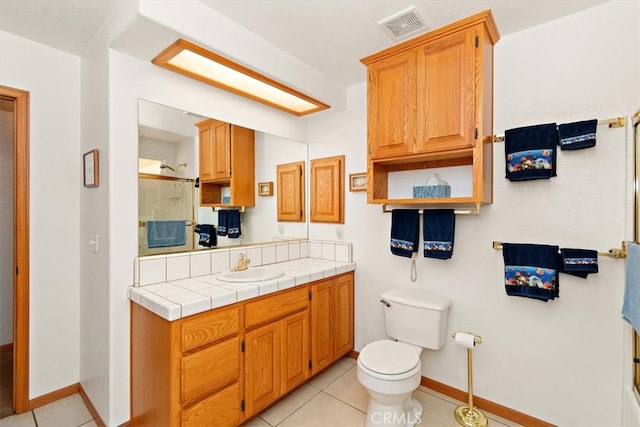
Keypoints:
pixel 194 61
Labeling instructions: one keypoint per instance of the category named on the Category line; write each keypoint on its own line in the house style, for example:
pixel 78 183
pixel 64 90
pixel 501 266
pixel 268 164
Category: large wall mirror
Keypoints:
pixel 167 187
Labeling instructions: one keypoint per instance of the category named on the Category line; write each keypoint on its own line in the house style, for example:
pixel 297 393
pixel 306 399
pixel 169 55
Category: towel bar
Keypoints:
pixel 616 122
pixel 612 253
pixel 475 211
pixel 240 208
pixel 187 223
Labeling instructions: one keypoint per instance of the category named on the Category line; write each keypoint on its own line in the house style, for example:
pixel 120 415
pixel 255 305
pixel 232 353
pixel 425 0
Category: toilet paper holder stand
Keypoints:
pixel 467 415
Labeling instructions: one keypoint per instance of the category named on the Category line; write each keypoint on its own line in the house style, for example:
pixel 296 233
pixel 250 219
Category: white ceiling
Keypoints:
pixel 329 35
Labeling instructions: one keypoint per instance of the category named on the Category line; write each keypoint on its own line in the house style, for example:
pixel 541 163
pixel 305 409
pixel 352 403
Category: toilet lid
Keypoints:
pixel 389 357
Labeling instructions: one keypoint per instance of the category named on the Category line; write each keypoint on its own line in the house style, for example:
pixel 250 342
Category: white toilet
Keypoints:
pixel 391 370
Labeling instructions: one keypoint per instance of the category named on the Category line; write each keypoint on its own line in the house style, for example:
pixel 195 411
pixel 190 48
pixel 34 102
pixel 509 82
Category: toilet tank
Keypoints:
pixel 416 316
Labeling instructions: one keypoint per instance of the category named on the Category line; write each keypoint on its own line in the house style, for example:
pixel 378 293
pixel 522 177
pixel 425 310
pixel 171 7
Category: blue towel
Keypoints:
pixel 438 230
pixel 405 232
pixel 631 302
pixel 207 235
pixel 579 262
pixel 531 152
pixel 222 223
pixel 233 223
pixel 531 270
pixel 166 233
pixel 578 135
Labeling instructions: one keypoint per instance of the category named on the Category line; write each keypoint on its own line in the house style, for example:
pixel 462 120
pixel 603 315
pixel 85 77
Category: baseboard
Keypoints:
pixel 487 405
pixel 91 408
pixel 53 396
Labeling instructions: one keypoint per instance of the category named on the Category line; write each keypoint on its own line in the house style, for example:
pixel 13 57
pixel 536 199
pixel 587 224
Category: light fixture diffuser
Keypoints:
pixel 199 63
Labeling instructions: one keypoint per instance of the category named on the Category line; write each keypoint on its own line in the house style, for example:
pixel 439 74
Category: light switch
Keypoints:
pixel 93 243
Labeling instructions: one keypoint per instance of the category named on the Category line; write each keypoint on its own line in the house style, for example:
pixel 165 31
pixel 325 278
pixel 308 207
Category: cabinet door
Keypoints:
pixel 295 349
pixel 221 150
pixel 262 367
pixel 391 106
pixel 206 154
pixel 327 190
pixel 321 330
pixel 342 309
pixel 446 93
pixel 290 189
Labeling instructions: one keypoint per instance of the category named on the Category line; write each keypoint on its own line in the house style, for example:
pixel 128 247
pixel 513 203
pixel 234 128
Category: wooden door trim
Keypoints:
pixel 20 246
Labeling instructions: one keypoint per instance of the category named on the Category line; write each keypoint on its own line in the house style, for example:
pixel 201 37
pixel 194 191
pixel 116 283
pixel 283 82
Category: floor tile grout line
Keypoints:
pixel 346 403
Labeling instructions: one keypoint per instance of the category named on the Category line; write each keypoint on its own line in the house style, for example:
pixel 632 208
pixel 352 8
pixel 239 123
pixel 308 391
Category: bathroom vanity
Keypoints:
pixel 224 365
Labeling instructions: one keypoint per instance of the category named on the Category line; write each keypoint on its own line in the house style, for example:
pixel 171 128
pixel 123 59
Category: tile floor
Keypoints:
pixel 333 398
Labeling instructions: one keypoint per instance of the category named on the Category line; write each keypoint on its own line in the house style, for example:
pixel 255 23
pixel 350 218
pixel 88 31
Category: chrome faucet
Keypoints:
pixel 243 263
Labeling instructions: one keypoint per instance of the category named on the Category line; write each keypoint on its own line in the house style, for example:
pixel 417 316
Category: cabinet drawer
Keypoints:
pixel 210 369
pixel 209 327
pixel 221 409
pixel 277 306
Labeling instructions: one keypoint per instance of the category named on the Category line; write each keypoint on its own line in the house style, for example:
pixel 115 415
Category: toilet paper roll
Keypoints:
pixel 465 339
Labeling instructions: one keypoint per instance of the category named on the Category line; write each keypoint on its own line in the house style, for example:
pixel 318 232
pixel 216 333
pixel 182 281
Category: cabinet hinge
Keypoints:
pixel 636 360
pixel 310 296
pixel 242 346
pixel 242 405
pixel 16 271
pixel 477 41
pixel 475 133
pixel 310 364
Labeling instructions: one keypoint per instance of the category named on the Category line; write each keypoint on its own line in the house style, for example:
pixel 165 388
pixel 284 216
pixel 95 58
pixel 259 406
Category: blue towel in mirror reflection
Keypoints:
pixel 166 233
pixel 631 302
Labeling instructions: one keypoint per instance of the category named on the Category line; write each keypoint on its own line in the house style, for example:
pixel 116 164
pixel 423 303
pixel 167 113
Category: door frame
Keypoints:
pixel 20 99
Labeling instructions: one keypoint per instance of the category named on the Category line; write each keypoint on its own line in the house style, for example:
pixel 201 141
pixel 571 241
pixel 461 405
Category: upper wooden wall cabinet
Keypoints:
pixel 227 159
pixel 430 104
pixel 327 190
pixel 290 189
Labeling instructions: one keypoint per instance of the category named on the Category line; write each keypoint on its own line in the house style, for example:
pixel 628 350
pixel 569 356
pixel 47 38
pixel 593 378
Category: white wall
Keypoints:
pixel 55 184
pixel 560 361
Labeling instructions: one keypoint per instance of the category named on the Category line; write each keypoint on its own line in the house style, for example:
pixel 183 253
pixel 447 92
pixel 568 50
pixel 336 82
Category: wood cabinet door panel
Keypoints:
pixel 446 94
pixel 392 106
pixel 210 369
pixel 343 315
pixel 262 367
pixel 208 327
pixel 327 190
pixel 222 409
pixel 290 192
pixel 321 330
pixel 221 150
pixel 205 155
pixel 295 348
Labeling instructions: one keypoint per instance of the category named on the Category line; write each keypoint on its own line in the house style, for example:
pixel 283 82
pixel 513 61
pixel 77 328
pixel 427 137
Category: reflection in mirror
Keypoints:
pixel 168 199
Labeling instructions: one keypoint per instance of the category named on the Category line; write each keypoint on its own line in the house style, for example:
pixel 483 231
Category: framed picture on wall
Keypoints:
pixel 358 181
pixel 90 168
pixel 265 188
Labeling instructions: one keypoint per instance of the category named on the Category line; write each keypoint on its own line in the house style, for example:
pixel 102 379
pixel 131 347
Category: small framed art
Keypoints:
pixel 90 167
pixel 358 181
pixel 265 188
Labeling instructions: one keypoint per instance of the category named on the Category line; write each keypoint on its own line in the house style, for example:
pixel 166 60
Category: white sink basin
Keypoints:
pixel 251 275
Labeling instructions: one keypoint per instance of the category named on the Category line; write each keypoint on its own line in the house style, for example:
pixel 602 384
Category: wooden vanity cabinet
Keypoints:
pixel 331 320
pixel 226 159
pixel 430 104
pixel 223 366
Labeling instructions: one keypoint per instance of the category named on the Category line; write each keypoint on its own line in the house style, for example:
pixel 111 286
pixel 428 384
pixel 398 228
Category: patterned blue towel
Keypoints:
pixel 578 135
pixel 438 230
pixel 531 270
pixel 579 262
pixel 531 152
pixel 405 229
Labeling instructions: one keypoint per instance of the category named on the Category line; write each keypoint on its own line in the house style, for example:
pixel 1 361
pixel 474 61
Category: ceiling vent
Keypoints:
pixel 403 25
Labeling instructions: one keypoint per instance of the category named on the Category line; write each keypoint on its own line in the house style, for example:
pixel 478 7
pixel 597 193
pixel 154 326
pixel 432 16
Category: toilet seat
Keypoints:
pixel 388 359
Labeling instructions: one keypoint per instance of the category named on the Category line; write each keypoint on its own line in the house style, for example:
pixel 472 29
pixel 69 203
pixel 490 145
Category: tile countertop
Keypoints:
pixel 175 299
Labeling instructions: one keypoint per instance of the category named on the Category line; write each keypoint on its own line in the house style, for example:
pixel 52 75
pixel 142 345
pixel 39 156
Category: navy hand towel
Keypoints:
pixel 233 223
pixel 207 235
pixel 438 229
pixel 405 228
pixel 579 262
pixel 531 270
pixel 531 152
pixel 222 223
pixel 578 135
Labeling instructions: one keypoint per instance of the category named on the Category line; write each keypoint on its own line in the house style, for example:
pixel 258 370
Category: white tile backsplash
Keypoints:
pixel 200 263
pixel 178 266
pixel 153 269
